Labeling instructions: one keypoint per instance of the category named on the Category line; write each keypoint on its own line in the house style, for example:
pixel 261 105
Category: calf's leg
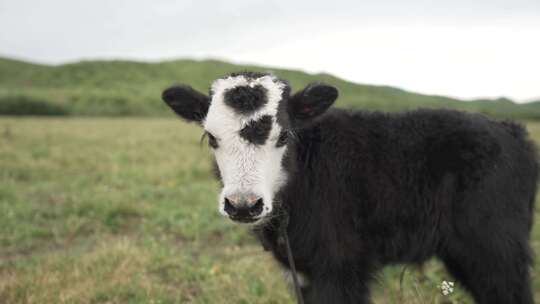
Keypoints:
pixel 338 287
pixel 492 277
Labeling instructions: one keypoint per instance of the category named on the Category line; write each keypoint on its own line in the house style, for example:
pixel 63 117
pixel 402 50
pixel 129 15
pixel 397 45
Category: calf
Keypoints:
pixel 367 189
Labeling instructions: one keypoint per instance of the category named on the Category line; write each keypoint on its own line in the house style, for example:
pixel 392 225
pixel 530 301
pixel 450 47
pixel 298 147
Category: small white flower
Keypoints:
pixel 447 287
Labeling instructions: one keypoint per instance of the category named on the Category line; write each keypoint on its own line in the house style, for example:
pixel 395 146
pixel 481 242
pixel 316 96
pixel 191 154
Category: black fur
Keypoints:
pixel 370 189
pixel 249 74
pixel 187 102
pixel 257 132
pixel 245 100
pixel 312 101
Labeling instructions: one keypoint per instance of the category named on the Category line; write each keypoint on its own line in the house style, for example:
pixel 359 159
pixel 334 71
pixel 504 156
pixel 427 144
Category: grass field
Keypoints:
pixel 124 211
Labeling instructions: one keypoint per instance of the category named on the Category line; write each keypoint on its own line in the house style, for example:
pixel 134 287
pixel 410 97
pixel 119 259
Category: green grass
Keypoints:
pixel 123 88
pixel 96 210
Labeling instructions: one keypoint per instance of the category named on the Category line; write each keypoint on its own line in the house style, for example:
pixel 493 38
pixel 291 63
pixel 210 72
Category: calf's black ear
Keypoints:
pixel 312 101
pixel 190 104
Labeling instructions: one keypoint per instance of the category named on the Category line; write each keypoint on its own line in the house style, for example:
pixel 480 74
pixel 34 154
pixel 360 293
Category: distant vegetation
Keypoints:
pixel 115 88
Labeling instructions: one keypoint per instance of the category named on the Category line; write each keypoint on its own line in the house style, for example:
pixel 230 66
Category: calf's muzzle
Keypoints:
pixel 243 208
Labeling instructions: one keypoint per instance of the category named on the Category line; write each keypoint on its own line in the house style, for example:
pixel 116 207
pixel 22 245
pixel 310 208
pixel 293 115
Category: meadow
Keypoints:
pixel 123 210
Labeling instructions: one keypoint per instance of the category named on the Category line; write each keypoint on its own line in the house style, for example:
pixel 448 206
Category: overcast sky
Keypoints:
pixel 462 48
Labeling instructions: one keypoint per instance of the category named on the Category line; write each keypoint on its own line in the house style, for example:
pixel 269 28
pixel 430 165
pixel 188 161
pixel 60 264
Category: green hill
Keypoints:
pixel 133 88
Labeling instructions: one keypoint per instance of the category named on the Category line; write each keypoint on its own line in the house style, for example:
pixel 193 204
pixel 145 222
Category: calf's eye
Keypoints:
pixel 282 139
pixel 212 141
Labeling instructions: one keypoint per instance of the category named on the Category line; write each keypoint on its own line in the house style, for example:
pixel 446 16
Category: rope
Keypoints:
pixel 298 292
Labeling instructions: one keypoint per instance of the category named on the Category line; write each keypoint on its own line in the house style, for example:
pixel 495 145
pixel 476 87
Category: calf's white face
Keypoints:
pixel 247 119
pixel 244 135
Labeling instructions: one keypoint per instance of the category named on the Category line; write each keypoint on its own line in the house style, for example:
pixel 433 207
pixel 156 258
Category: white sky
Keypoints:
pixel 467 49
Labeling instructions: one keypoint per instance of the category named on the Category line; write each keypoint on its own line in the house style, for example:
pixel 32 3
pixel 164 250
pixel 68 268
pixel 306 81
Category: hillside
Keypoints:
pixel 133 88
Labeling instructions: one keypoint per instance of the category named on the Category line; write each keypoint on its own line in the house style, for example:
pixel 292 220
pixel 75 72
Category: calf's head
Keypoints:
pixel 249 119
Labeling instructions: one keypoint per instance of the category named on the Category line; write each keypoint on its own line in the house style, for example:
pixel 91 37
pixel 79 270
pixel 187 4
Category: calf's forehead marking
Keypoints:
pixel 223 118
pixel 257 131
pixel 246 99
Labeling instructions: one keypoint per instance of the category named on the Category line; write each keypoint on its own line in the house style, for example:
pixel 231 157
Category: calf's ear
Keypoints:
pixel 312 101
pixel 190 104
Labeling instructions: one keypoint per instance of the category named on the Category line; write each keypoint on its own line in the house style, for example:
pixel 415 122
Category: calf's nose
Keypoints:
pixel 243 208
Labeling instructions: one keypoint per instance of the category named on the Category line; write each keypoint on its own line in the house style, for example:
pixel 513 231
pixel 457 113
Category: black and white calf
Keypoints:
pixel 367 189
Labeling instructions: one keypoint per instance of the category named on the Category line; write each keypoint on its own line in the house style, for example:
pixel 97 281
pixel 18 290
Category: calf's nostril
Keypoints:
pixel 257 208
pixel 242 208
pixel 229 207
